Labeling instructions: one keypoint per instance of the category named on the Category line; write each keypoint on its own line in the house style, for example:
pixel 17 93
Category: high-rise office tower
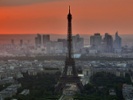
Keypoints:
pixel 69 75
pixel 78 43
pixel 117 43
pixel 108 43
pixel 38 41
pixel 46 38
pixel 95 41
pixel 92 40
pixel 64 42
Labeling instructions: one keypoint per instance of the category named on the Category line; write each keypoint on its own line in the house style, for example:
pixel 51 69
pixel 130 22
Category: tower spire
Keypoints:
pixel 69 9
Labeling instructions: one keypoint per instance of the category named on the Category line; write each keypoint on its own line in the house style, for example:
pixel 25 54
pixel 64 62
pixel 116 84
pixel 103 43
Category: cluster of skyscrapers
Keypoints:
pixel 106 44
pixel 59 46
pixel 41 40
pixel 98 44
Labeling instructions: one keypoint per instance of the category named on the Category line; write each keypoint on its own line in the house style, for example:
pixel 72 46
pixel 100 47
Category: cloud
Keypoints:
pixel 22 2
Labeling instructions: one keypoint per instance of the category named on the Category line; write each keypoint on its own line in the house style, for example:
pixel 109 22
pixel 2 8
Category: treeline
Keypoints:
pixel 41 87
pixel 100 85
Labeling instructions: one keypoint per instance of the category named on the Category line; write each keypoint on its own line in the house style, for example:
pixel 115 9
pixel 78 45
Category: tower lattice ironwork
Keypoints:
pixel 69 75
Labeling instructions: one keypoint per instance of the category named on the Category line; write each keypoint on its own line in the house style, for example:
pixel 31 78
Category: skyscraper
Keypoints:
pixel 78 43
pixel 38 41
pixel 46 38
pixel 95 41
pixel 117 43
pixel 64 41
pixel 108 43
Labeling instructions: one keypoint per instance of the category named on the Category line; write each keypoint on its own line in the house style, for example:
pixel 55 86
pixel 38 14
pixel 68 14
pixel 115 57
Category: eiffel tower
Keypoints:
pixel 69 75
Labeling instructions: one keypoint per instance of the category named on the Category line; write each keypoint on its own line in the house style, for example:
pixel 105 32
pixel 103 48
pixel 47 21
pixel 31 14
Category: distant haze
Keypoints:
pixel 6 39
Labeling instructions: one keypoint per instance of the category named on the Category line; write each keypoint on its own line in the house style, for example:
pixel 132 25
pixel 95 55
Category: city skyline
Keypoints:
pixel 47 16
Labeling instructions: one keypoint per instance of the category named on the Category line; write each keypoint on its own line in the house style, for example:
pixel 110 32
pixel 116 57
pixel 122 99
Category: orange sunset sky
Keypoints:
pixel 50 16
